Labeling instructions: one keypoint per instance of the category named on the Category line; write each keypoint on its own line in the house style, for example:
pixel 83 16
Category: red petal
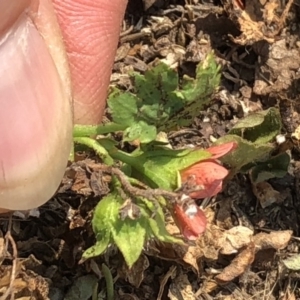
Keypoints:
pixel 208 174
pixel 214 189
pixel 190 227
pixel 221 150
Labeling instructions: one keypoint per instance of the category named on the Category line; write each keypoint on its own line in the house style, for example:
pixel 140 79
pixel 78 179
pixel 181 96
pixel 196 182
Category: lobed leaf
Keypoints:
pixel 260 127
pixel 276 166
pixel 159 103
pixel 246 152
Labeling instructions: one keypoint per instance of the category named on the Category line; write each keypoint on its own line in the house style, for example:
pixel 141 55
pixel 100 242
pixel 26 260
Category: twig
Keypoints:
pixel 134 36
pixel 127 31
pixel 146 193
pixel 10 239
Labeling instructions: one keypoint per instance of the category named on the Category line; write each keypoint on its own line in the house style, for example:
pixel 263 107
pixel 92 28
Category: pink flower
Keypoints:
pixel 207 175
pixel 190 225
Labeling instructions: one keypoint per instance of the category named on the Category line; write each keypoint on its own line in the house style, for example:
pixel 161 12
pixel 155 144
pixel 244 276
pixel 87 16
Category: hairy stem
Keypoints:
pixel 93 144
pixel 91 130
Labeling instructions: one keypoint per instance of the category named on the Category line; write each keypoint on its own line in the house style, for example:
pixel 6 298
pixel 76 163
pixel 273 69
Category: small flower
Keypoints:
pixel 191 222
pixel 206 179
pixel 208 175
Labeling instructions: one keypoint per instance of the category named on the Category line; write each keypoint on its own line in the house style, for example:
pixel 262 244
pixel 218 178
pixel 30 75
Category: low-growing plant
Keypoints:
pixel 155 179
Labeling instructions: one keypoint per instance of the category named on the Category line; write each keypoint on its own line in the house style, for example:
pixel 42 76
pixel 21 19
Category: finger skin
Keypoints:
pixel 91 30
pixel 35 143
pixel 35 105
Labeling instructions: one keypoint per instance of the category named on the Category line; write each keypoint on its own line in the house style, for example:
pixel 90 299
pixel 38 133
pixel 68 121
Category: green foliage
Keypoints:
pixel 82 288
pixel 276 166
pixel 254 135
pixel 128 234
pixel 246 152
pixel 159 104
pixel 158 167
pixel 136 130
pixel 260 127
pixel 292 263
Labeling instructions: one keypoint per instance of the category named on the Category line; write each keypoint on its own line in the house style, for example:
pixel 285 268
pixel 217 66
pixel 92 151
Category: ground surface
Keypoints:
pixel 258 48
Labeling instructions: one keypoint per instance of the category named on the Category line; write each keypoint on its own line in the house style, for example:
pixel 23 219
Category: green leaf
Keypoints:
pixel 123 107
pixel 161 76
pixel 253 135
pixel 260 127
pixel 129 235
pixel 246 152
pixel 140 131
pixel 194 94
pixel 97 249
pixel 162 170
pixel 159 168
pixel 82 288
pixel 293 262
pixel 154 89
pixel 159 101
pixel 106 214
pixel 156 223
pixel 276 166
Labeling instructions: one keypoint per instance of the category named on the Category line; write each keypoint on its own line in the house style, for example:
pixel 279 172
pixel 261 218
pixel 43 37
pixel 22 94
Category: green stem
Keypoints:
pixel 109 282
pixel 90 130
pixel 95 292
pixel 120 155
pixel 93 144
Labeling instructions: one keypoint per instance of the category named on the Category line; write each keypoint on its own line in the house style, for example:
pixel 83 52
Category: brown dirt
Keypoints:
pixel 258 48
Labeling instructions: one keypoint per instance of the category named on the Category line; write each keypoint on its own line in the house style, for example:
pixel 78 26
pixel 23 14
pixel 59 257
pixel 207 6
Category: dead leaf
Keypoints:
pixel 293 262
pixel 276 240
pixel 266 194
pixel 128 297
pixel 208 286
pixel 148 3
pixel 208 243
pixel 5 274
pixel 238 265
pixel 251 24
pixel 223 218
pixel 282 64
pixel 289 295
pixel 234 239
pixel 164 280
pixel 296 133
pixel 258 21
pixel 135 274
pixel 268 12
pixel 181 288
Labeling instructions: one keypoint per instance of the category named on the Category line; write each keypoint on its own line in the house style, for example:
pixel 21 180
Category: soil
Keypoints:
pixel 257 43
